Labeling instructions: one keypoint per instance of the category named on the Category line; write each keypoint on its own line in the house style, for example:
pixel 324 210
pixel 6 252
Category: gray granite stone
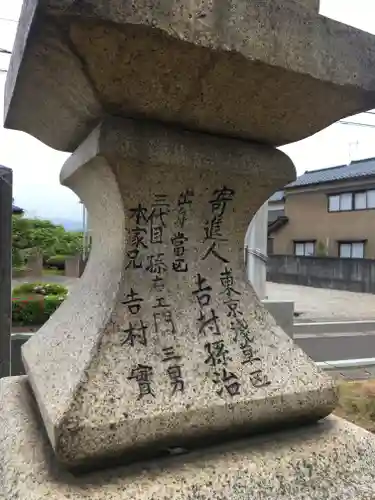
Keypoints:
pixel 331 460
pixel 248 69
pixel 163 343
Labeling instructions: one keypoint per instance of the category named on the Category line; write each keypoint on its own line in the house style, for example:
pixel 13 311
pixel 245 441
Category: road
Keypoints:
pixel 344 346
pixel 324 304
pixel 337 347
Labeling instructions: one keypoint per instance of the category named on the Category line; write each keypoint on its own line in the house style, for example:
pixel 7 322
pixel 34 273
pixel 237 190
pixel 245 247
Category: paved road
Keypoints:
pixel 346 346
pixel 335 347
pixel 322 304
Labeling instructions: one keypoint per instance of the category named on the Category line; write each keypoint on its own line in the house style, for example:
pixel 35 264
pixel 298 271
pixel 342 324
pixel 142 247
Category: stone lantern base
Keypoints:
pixel 332 459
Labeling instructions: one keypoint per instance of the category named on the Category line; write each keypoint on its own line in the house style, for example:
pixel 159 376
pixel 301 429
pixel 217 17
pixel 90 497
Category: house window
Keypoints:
pixel 304 248
pixel 334 203
pixel 343 202
pixel 352 250
pixel 346 201
pixel 340 202
pixel 371 199
pixel 360 202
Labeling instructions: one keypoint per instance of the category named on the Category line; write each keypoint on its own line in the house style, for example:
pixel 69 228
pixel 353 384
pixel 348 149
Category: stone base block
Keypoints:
pixel 331 460
pixel 283 313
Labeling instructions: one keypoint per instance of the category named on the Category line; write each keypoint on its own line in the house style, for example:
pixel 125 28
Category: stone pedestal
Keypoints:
pixel 171 345
pixel 332 459
pixel 172 112
pixel 35 265
pixel 73 266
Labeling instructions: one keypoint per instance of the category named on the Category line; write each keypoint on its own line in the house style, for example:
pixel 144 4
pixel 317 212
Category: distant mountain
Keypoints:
pixel 69 225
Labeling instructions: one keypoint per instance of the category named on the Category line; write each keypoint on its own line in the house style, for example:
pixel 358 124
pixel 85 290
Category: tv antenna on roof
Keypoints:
pixel 353 150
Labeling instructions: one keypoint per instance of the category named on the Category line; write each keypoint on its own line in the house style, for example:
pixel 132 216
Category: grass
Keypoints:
pixel 53 272
pixel 357 403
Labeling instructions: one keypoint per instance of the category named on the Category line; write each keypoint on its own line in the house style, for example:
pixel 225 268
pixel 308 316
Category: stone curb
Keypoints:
pixel 334 327
pixel 346 363
pixel 22 335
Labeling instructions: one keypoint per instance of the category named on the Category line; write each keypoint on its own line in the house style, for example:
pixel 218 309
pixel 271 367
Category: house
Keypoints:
pixel 17 210
pixel 328 212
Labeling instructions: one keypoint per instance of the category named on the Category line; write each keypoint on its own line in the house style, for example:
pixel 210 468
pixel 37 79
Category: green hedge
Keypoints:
pixel 34 310
pixel 34 303
pixel 38 288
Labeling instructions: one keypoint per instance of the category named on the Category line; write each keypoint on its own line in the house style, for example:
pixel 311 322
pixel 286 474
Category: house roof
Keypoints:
pixel 356 169
pixel 277 224
pixel 278 196
pixel 17 210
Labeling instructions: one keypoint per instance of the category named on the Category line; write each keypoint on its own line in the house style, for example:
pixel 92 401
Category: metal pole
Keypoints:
pixel 6 179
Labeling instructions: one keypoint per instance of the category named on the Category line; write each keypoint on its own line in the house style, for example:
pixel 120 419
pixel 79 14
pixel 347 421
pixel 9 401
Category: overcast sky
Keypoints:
pixel 36 167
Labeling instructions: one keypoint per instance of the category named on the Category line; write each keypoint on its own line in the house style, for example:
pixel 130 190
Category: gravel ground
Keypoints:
pixel 323 304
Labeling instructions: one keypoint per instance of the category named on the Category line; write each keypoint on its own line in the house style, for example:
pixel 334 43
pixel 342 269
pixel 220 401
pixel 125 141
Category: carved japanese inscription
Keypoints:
pixel 160 246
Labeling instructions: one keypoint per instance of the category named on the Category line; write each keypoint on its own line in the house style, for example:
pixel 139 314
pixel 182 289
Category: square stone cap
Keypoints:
pixel 333 460
pixel 271 71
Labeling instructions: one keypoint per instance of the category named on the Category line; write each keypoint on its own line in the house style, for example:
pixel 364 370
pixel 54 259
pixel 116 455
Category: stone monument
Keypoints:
pixel 172 111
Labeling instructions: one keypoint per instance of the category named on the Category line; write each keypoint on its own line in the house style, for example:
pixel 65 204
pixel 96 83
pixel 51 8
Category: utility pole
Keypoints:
pixel 6 197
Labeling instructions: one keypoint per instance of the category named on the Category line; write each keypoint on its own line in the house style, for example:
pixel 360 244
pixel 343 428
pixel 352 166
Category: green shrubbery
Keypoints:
pixel 44 237
pixel 40 289
pixel 34 303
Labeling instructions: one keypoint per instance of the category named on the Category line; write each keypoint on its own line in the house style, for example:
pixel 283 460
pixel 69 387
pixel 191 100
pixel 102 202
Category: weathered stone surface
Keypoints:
pixel 164 343
pixel 331 460
pixel 272 71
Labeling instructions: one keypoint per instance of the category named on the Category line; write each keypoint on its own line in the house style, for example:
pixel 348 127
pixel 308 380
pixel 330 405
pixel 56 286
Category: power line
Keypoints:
pixel 5 51
pixel 9 20
pixel 356 124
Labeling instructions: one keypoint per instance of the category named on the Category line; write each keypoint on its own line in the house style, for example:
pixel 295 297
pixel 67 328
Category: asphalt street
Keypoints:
pixel 337 347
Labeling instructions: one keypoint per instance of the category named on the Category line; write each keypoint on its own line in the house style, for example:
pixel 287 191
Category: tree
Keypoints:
pixel 42 235
pixel 321 250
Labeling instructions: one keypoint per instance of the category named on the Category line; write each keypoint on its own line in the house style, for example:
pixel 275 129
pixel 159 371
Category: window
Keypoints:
pixel 343 202
pixel 360 201
pixel 371 199
pixel 346 201
pixel 352 249
pixel 334 203
pixel 340 202
pixel 304 248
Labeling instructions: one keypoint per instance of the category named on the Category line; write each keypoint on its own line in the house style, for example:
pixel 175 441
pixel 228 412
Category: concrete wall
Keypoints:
pixel 283 313
pixel 357 275
pixel 309 220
